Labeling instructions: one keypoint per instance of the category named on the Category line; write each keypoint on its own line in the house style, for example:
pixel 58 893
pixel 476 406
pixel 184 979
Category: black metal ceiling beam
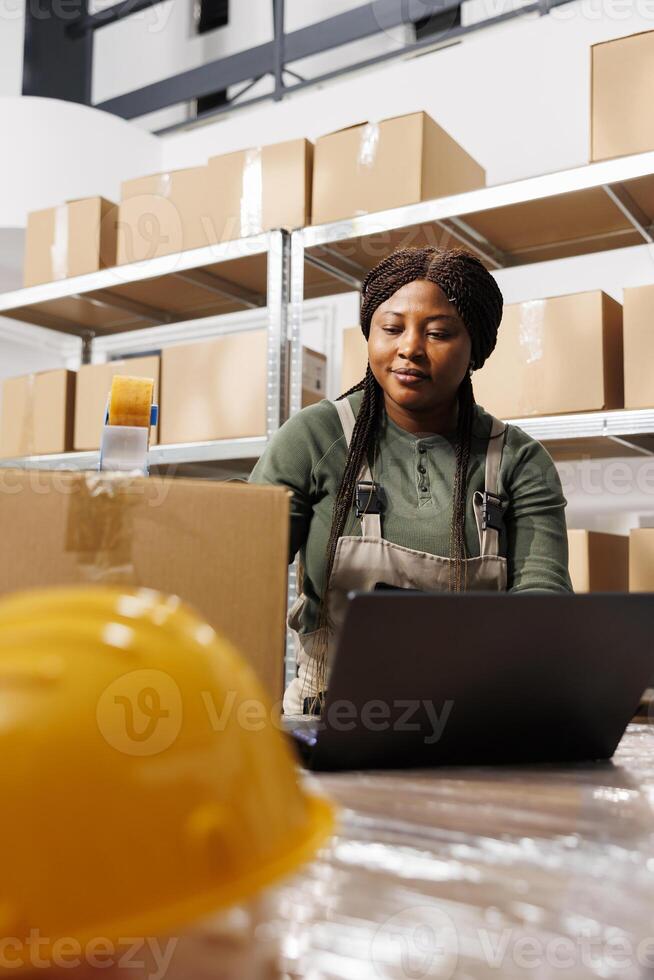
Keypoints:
pixel 93 22
pixel 355 25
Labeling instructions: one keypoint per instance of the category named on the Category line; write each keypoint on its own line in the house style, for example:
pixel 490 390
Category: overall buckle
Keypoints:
pixel 367 498
pixel 491 514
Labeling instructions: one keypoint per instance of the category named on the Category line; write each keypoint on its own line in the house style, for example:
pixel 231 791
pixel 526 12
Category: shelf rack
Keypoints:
pixel 601 206
pixel 217 279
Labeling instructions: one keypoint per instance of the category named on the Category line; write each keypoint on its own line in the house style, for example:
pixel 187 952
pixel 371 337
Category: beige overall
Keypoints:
pixel 361 562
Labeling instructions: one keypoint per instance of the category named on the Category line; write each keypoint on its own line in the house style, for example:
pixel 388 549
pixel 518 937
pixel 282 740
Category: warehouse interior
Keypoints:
pixel 197 197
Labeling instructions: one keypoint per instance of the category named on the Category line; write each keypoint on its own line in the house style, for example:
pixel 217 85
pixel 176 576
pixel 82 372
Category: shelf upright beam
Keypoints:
pixel 296 304
pixel 279 261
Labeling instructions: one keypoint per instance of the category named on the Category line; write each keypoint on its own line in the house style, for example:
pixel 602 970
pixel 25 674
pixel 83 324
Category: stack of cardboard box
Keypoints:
pixel 622 85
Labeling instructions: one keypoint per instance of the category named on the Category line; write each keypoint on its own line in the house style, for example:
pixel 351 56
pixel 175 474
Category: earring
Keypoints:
pixel 471 367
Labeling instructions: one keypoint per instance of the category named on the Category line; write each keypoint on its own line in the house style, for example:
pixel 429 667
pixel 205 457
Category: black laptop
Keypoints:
pixel 425 679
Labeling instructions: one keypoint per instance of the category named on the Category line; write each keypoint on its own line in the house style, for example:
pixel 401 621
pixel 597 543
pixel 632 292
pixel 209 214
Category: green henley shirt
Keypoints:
pixel 308 454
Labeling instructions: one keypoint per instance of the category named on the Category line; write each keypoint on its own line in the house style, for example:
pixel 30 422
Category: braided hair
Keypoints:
pixel 478 300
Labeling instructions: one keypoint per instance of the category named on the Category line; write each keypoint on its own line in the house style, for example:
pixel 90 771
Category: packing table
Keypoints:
pixel 467 873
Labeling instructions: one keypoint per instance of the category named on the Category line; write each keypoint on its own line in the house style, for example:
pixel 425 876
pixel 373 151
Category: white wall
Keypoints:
pixel 12 29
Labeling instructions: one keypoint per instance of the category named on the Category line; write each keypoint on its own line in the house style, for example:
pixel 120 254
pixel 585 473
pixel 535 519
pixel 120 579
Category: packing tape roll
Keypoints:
pixel 252 194
pixel 59 247
pixel 130 402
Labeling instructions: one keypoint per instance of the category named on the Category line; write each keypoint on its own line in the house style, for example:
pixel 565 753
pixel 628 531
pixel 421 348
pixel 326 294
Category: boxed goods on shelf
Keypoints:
pixel 235 195
pixel 354 359
pixel 641 559
pixel 262 188
pixel 598 562
pixel 223 548
pixel 622 83
pixel 70 240
pixel 37 414
pixel 93 387
pixel 376 166
pixel 554 356
pixel 163 213
pixel 217 389
pixel 314 377
pixel 639 347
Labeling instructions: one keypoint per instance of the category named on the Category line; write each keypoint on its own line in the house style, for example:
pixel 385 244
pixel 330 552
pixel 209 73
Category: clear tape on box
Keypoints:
pixel 59 247
pixel 164 185
pixel 368 146
pixel 531 338
pixel 251 204
pixel 27 440
pixel 100 525
pixel 532 319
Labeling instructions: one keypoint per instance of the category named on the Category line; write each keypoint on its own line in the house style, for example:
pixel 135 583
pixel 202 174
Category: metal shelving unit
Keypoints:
pixel 173 455
pixel 588 209
pixel 245 274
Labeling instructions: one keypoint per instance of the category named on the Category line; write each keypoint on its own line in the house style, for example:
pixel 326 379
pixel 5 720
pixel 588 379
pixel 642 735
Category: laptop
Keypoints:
pixel 432 679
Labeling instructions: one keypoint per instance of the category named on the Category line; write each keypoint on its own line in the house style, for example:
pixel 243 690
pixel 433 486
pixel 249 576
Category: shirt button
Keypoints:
pixel 423 488
pixel 421 449
pixel 421 469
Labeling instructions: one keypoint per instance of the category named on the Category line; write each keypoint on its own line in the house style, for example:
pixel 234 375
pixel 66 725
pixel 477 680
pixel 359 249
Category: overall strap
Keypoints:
pixel 370 523
pixel 489 539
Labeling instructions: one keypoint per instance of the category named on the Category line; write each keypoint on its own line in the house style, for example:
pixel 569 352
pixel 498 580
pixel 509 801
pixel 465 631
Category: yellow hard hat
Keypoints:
pixel 144 782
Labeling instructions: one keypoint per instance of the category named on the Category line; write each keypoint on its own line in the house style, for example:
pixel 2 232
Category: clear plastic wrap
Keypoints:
pixel 465 873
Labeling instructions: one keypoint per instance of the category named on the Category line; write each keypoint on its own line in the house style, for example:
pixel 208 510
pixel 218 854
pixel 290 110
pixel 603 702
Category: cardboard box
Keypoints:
pixel 354 359
pixel 37 414
pixel 221 547
pixel 70 240
pixel 375 166
pixel 555 355
pixel 598 562
pixel 164 213
pixel 261 189
pixel 622 96
pixel 639 347
pixel 314 377
pixel 93 388
pixel 641 559
pixel 235 195
pixel 217 389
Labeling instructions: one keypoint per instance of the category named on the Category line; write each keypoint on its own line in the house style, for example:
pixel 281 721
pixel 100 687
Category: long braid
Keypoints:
pixel 457 578
pixel 363 436
pixel 478 300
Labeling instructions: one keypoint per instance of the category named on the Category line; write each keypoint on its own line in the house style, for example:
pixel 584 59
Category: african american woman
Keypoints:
pixel 404 480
